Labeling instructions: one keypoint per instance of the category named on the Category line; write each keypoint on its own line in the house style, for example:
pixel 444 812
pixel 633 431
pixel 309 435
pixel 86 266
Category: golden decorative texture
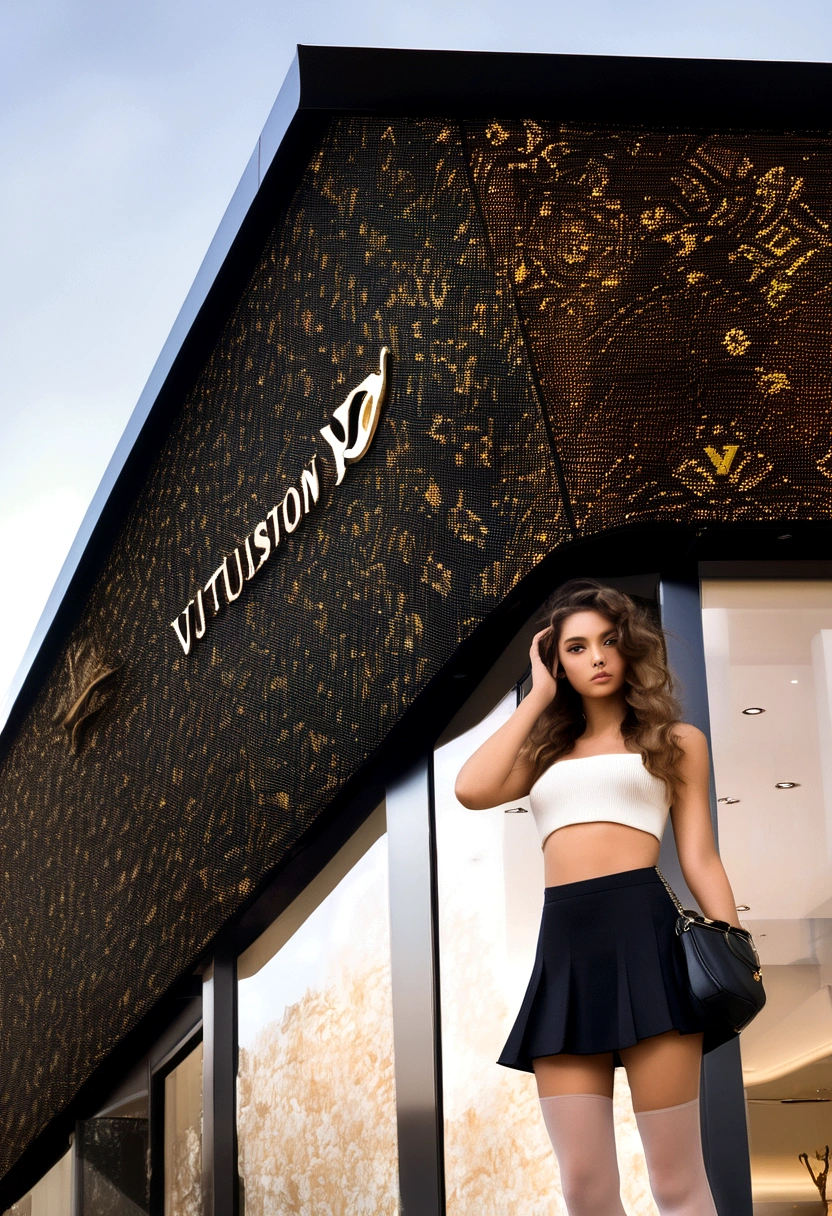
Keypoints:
pixel 675 290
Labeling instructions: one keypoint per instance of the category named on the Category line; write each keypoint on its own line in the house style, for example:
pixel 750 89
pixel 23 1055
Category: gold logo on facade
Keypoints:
pixel 722 461
pixel 357 418
pixel 349 435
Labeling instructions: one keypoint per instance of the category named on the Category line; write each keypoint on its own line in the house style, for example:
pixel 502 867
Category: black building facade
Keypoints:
pixel 473 324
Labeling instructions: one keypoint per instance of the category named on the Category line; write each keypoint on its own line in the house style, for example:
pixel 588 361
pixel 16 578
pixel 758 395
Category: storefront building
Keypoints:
pixel 472 325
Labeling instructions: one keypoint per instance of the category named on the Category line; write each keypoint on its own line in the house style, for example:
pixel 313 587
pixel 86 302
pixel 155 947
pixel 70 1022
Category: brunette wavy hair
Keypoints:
pixel 652 709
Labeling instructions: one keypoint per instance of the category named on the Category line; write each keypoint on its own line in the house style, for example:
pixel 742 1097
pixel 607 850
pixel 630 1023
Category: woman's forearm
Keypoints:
pixel 691 814
pixel 710 888
pixel 482 779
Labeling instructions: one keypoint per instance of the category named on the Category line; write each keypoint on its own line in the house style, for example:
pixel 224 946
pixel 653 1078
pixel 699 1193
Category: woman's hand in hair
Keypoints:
pixel 495 773
pixel 544 684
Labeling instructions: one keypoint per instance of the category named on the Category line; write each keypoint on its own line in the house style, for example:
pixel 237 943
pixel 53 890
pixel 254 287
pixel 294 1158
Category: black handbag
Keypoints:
pixel 724 975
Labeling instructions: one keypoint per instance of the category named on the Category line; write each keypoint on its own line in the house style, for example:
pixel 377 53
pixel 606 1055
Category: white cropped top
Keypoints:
pixel 614 788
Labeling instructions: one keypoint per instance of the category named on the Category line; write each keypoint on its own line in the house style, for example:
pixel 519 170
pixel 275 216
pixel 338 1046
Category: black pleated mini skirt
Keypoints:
pixel 609 971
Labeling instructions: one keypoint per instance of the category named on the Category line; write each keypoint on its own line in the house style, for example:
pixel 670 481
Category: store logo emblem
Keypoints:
pixel 349 435
pixel 357 426
pixel 722 461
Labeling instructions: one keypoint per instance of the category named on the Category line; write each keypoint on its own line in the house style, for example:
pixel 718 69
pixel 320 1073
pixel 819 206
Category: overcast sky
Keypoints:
pixel 123 131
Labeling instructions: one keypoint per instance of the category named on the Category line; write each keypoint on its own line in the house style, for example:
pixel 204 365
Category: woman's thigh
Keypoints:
pixel 663 1070
pixel 564 1074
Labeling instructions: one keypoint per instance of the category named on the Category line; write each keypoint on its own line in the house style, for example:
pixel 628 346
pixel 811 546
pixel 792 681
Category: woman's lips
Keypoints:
pixel 602 675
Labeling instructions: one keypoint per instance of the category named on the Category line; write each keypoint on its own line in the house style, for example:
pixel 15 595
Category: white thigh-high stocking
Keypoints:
pixel 673 1147
pixel 581 1129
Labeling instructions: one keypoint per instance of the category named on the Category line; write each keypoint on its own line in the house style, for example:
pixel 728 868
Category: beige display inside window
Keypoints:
pixel 51 1196
pixel 183 1137
pixel 316 1110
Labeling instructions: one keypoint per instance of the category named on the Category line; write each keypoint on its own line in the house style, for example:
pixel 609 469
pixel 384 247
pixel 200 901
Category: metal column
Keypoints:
pixel 724 1129
pixel 219 1083
pixel 415 976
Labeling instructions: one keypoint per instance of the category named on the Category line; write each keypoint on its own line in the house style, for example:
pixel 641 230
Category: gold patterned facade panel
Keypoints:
pixel 676 292
pixel 130 836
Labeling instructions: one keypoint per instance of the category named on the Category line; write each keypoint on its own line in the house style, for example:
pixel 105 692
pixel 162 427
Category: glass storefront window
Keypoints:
pixel 316 1117
pixel 111 1153
pixel 490 868
pixel 768 648
pixel 183 1137
pixel 52 1196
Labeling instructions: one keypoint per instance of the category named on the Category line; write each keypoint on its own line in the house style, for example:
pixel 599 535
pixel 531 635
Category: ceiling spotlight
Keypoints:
pixel 743 908
pixel 754 709
pixel 729 801
pixel 786 785
pixel 794 681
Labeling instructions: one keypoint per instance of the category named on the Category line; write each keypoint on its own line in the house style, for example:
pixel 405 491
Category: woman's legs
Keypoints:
pixel 576 1100
pixel 663 1072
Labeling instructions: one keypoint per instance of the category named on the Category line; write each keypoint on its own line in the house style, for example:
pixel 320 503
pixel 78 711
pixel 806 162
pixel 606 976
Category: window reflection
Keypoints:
pixel 52 1196
pixel 183 1137
pixel 111 1160
pixel 769 646
pixel 498 1158
pixel 316 1116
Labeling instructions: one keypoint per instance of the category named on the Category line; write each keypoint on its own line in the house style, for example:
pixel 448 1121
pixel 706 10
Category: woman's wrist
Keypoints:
pixel 537 700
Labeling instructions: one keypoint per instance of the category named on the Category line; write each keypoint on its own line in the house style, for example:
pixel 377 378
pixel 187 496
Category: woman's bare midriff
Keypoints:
pixel 590 850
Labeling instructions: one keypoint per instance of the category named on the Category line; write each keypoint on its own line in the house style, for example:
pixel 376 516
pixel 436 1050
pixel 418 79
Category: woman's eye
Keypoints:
pixel 611 642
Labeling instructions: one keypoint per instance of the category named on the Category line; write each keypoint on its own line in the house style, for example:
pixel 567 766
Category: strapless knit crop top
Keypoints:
pixel 614 788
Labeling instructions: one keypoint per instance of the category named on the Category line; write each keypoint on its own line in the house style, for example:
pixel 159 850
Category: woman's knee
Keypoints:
pixel 672 1190
pixel 582 1132
pixel 588 1190
pixel 673 1149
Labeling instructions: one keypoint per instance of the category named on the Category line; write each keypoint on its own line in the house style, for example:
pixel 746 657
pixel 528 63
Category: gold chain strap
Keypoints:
pixel 671 892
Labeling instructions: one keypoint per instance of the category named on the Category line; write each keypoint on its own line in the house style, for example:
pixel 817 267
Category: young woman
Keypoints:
pixel 598 747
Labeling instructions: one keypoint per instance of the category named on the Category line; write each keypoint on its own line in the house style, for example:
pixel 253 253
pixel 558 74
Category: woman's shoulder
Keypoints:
pixel 691 739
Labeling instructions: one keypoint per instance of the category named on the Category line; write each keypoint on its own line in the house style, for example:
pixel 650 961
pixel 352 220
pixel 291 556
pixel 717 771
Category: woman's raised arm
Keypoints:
pixel 492 774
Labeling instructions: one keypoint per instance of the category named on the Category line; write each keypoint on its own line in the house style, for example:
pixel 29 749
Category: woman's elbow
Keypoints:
pixel 468 795
pixel 463 794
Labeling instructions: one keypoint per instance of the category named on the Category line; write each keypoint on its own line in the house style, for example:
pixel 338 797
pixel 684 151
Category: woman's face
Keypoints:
pixel 588 653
